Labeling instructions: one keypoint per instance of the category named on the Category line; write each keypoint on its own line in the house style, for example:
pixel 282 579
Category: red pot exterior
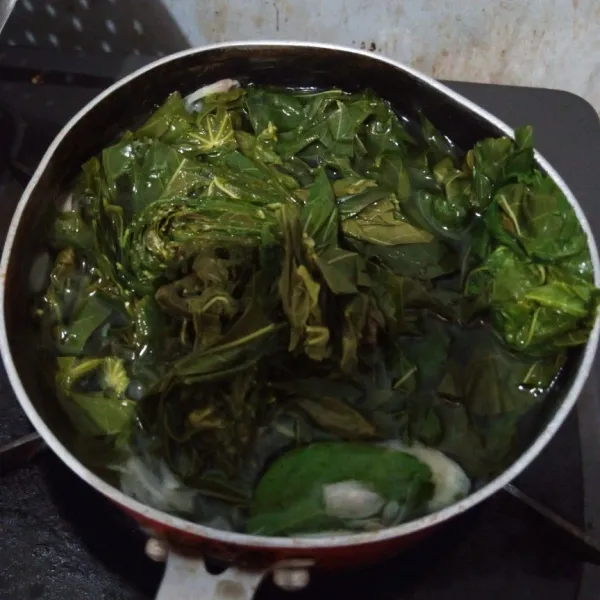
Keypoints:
pixel 342 557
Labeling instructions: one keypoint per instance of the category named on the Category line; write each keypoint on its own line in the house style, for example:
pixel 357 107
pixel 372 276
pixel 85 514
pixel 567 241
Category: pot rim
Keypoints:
pixel 290 543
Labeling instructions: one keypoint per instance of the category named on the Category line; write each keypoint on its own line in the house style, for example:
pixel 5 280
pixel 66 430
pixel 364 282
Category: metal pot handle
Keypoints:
pixel 186 578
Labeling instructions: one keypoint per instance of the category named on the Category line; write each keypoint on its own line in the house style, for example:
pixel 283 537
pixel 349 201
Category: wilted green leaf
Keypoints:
pixel 92 413
pixel 289 498
pixel 379 224
pixel 336 416
pixel 84 322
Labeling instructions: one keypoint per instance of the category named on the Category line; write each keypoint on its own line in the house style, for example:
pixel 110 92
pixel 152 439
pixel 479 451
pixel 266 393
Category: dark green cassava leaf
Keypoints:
pixel 71 231
pixel 319 215
pixel 213 133
pixel 428 352
pixel 284 111
pixel 351 203
pixel 451 210
pixel 495 161
pixel 329 123
pixel 336 416
pixel 438 147
pixel 261 147
pixel 93 413
pixel 74 335
pixel 420 261
pixel 342 270
pixel 168 122
pixel 533 312
pixel 482 398
pixel 163 174
pixel 291 497
pixel 380 225
pixel 356 314
pixel 539 219
pixel 248 339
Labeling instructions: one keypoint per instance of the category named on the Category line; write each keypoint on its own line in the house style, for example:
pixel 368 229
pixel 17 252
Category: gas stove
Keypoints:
pixel 62 540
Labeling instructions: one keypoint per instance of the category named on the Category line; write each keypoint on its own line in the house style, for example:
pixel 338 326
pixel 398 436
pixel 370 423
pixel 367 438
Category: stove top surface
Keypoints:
pixel 62 540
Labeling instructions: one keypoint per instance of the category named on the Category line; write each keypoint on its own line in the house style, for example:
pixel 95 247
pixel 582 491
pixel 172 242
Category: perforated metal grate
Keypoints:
pixel 92 26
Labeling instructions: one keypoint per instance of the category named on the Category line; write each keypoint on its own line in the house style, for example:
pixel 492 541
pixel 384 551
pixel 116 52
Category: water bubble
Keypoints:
pixel 135 390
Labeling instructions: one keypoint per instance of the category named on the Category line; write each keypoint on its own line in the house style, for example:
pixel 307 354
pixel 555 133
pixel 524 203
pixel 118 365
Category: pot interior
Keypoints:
pixel 281 65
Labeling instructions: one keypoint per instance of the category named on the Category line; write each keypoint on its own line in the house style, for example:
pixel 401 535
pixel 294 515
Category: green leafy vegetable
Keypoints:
pixel 258 275
pixel 338 417
pixel 101 411
pixel 293 496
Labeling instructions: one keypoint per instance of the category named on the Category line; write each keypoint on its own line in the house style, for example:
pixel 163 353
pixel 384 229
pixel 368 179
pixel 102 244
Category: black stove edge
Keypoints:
pixel 588 412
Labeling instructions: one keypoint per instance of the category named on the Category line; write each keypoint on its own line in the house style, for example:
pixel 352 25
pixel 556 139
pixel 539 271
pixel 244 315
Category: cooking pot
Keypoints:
pixel 248 557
